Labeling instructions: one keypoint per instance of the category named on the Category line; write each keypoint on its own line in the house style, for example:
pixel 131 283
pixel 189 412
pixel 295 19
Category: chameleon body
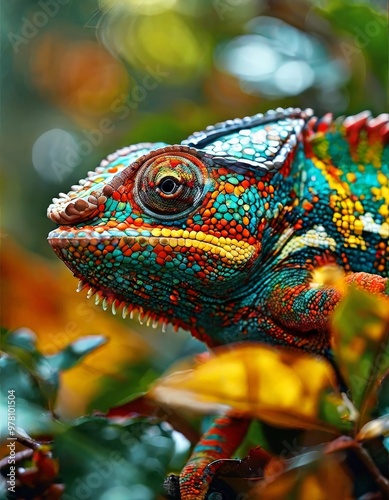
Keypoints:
pixel 231 234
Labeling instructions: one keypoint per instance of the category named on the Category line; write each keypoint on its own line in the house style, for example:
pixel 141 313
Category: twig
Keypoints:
pixel 20 456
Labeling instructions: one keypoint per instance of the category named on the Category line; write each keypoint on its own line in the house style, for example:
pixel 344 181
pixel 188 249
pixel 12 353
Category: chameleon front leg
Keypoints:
pixel 220 441
pixel 299 302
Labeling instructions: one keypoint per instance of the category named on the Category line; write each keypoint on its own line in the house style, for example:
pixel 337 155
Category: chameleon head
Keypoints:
pixel 160 230
pixel 176 232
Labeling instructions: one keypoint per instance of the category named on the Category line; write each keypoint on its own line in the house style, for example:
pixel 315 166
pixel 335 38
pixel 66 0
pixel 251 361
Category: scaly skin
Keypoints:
pixel 232 234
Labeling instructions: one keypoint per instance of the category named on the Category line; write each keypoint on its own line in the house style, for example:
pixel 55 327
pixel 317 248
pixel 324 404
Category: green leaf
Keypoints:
pixel 134 381
pixel 361 342
pixel 100 459
pixel 21 344
pixel 45 370
pixel 30 405
pixel 383 396
pixel 75 352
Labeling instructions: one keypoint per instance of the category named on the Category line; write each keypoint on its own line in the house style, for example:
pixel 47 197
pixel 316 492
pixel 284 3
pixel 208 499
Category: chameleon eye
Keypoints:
pixel 170 185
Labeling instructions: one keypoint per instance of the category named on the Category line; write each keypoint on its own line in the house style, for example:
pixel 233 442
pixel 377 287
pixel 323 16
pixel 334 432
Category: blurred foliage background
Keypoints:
pixel 81 79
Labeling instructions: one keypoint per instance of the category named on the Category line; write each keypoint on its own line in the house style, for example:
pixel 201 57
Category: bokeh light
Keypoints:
pixel 278 60
pixel 169 44
pixel 55 154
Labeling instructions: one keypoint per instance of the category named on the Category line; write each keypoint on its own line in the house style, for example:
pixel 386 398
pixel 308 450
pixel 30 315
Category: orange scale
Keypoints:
pixel 116 196
pixel 245 183
pixel 158 248
pixel 213 221
pixel 229 188
pixel 127 252
pixel 246 233
pixel 204 228
pixel 160 261
pixel 239 228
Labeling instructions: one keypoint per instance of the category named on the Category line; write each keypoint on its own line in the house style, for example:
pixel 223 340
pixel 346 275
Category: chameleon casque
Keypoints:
pixel 227 235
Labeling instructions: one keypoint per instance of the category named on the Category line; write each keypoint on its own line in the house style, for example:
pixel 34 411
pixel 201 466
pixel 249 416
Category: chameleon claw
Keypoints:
pixel 113 308
pixel 80 285
pixel 105 303
pixel 124 312
pixel 90 292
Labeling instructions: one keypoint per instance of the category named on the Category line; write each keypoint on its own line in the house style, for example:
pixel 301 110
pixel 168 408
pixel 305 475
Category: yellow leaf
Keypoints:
pixel 308 477
pixel 279 386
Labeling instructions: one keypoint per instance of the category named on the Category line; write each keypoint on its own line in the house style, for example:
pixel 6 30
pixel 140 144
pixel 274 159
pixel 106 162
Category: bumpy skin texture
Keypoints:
pixel 232 234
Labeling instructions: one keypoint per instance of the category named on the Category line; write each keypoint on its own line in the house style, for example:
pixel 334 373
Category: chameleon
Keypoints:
pixel 245 231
